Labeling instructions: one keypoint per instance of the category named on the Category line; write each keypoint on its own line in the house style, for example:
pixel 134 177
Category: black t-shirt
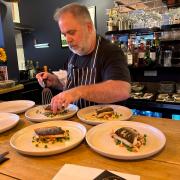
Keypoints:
pixel 111 62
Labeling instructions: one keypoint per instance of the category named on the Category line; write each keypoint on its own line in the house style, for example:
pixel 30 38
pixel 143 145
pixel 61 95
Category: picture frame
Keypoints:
pixel 63 41
pixel 3 73
pixel 92 11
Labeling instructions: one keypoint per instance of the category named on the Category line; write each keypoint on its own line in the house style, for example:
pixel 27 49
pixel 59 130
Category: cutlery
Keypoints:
pixel 3 158
pixel 46 93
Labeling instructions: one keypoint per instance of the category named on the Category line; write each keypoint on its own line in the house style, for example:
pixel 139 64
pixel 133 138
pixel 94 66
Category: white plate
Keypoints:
pixel 22 140
pixel 36 114
pixel 82 114
pixel 100 140
pixel 8 121
pixel 17 106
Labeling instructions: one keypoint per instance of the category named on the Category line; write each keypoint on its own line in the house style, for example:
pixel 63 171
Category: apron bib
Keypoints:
pixel 82 76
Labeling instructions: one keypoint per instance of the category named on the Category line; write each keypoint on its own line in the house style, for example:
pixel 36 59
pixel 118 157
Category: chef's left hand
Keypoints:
pixel 63 99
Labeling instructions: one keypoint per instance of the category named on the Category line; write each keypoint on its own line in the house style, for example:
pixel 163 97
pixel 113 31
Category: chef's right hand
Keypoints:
pixel 45 79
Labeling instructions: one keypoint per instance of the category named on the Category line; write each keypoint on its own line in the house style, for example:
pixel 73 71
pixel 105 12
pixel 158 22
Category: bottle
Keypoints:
pixel 45 68
pixel 141 54
pixel 124 48
pixel 27 65
pixel 129 56
pixel 135 56
pixel 153 52
pixel 31 70
pixel 37 68
pixel 147 58
pixel 157 45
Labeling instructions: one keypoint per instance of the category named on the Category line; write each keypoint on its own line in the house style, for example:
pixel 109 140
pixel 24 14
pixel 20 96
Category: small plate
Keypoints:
pixel 17 106
pixel 22 140
pixel 36 114
pixel 8 121
pixel 100 140
pixel 85 114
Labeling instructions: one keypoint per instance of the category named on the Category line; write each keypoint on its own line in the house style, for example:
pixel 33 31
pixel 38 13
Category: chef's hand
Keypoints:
pixel 46 79
pixel 63 99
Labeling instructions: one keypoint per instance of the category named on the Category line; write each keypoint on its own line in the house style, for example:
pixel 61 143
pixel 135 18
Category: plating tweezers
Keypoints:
pixel 3 158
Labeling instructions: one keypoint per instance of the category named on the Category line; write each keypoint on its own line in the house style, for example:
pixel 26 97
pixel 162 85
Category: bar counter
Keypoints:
pixel 164 165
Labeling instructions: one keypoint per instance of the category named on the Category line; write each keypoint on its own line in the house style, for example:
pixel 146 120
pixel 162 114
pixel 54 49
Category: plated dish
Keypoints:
pixel 8 121
pixel 104 113
pixel 100 139
pixel 70 134
pixel 41 113
pixel 16 106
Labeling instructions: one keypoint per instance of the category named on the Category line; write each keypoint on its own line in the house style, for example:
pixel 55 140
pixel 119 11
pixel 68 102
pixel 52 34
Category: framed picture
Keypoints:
pixel 63 41
pixel 92 11
pixel 3 73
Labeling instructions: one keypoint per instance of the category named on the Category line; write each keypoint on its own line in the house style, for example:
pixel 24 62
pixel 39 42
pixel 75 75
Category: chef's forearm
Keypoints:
pixel 105 92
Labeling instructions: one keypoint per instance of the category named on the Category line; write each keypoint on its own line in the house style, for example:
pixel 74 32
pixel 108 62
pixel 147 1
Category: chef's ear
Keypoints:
pixel 90 26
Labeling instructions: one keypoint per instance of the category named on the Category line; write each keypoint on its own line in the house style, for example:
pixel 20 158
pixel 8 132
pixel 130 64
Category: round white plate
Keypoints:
pixel 36 114
pixel 100 140
pixel 17 106
pixel 85 113
pixel 22 140
pixel 8 121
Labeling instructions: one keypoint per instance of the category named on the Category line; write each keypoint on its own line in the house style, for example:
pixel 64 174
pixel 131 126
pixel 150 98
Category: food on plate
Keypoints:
pixel 46 111
pixel 130 138
pixel 103 113
pixel 49 135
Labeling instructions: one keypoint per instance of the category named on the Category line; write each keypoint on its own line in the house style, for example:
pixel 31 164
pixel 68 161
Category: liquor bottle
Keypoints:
pixel 153 52
pixel 124 49
pixel 147 58
pixel 37 68
pixel 129 56
pixel 31 70
pixel 135 56
pixel 141 54
pixel 157 45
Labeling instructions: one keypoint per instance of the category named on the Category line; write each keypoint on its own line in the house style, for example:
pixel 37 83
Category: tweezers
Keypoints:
pixel 3 158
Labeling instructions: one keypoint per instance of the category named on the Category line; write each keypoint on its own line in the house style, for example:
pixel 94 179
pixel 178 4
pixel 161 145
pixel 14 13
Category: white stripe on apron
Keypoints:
pixel 83 76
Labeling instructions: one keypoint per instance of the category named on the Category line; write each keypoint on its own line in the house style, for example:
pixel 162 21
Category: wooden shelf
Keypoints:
pixel 145 30
pixel 135 31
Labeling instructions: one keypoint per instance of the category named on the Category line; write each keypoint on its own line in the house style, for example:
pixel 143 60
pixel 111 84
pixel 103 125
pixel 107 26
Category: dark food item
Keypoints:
pixel 53 130
pixel 49 135
pixel 128 134
pixel 129 138
pixel 101 112
pixel 106 175
pixel 49 113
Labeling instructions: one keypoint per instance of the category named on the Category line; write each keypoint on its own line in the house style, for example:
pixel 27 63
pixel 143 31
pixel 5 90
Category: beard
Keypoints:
pixel 78 50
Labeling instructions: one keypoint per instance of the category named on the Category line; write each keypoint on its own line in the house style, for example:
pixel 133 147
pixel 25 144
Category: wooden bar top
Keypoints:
pixel 164 165
pixel 11 89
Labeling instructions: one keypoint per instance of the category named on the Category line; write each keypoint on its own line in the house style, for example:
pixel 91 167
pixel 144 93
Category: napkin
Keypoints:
pixel 62 76
pixel 72 171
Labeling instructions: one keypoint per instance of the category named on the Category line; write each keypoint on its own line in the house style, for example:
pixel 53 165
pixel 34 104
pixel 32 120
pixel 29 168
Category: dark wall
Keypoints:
pixel 1 35
pixel 9 40
pixel 39 15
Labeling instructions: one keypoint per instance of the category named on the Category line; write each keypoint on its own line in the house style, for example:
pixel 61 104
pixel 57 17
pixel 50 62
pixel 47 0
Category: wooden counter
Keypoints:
pixel 164 165
pixel 11 89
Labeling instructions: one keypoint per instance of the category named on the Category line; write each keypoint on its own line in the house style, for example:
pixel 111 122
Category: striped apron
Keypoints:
pixel 82 76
